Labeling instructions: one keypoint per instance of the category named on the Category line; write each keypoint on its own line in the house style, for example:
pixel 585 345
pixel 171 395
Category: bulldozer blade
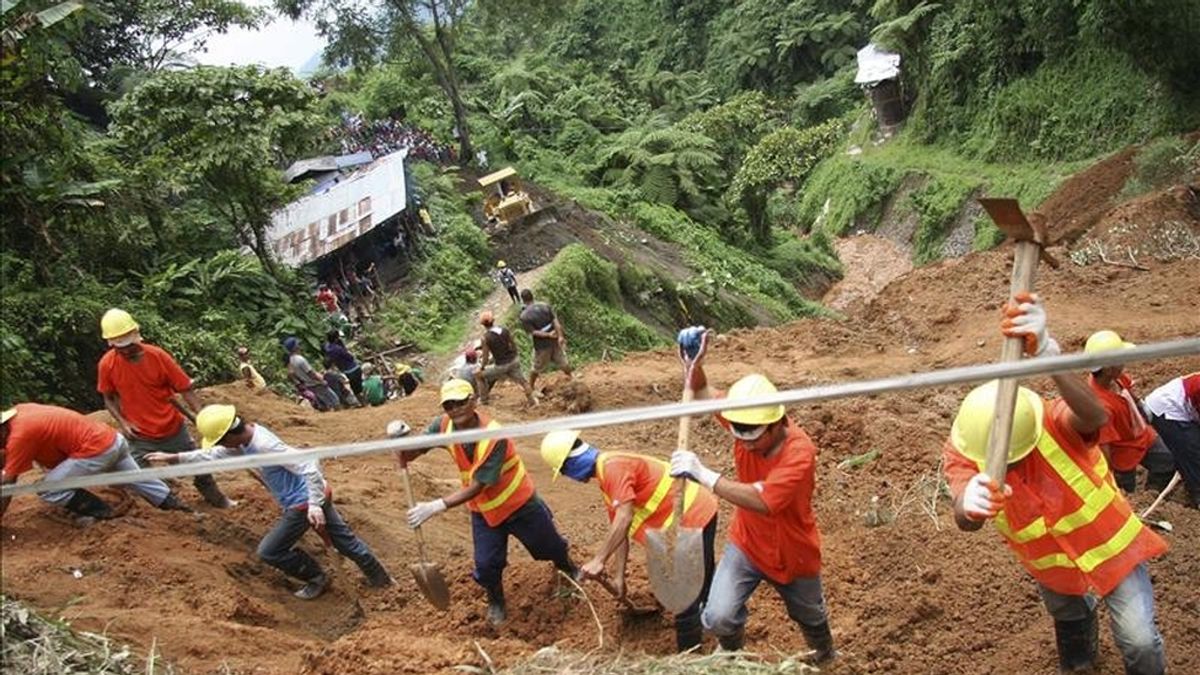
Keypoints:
pixel 432 584
pixel 676 572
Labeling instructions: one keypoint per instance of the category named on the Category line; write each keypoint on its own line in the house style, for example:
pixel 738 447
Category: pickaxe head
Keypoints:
pixel 1011 220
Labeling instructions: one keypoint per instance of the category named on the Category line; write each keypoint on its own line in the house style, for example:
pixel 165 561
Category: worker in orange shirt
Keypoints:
pixel 66 444
pixel 637 493
pixel 774 534
pixel 139 382
pixel 1126 440
pixel 1060 511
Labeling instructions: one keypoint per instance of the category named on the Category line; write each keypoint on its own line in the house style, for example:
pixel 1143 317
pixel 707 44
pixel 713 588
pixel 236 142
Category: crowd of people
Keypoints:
pixel 1062 509
pixel 387 135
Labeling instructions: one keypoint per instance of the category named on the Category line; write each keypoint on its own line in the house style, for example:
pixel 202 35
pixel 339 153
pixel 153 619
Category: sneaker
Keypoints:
pixel 314 588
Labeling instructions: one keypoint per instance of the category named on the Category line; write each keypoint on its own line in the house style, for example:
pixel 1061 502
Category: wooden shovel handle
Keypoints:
pixel 1024 273
pixel 412 502
pixel 685 428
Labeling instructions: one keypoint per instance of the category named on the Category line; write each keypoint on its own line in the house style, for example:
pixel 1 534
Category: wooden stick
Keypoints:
pixel 1175 480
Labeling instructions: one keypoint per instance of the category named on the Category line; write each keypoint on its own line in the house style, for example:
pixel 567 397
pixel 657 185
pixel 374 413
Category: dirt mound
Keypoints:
pixel 1159 227
pixel 871 262
pixel 1085 197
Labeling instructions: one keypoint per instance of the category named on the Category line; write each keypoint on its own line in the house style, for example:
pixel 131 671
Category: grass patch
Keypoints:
pixel 35 645
pixel 1161 163
pixel 554 660
pixel 936 204
pixel 855 191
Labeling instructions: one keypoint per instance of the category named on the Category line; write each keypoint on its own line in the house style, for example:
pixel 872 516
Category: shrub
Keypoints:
pixel 937 203
pixel 854 190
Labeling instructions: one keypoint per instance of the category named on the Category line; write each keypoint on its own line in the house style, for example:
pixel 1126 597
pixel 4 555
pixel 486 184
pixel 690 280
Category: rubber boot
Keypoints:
pixel 207 487
pixel 172 503
pixel 84 503
pixel 1078 642
pixel 377 575
pixel 314 588
pixel 820 641
pixel 496 611
pixel 688 634
pixel 733 643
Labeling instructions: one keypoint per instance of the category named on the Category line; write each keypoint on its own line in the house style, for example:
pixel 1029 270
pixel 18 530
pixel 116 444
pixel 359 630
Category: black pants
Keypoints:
pixel 1183 439
pixel 512 293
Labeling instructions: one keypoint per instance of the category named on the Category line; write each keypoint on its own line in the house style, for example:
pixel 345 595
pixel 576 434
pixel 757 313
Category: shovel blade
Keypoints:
pixel 432 584
pixel 676 572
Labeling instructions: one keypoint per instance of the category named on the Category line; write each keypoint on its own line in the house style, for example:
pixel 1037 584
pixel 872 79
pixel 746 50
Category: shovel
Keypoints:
pixel 675 554
pixel 428 575
pixel 1029 240
pixel 630 608
pixel 1161 524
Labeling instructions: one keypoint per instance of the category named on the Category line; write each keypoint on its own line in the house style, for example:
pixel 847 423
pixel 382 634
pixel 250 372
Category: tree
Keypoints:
pixel 786 155
pixel 669 165
pixel 356 28
pixel 223 135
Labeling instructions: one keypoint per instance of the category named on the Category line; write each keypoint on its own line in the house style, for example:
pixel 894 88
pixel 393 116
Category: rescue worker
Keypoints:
pixel 1174 411
pixel 298 487
pixel 549 340
pixel 66 444
pixel 1126 440
pixel 638 496
pixel 508 279
pixel 139 382
pixel 1060 511
pixel 499 346
pixel 774 535
pixel 499 493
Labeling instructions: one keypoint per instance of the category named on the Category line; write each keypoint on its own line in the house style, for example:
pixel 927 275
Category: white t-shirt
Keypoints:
pixel 1171 402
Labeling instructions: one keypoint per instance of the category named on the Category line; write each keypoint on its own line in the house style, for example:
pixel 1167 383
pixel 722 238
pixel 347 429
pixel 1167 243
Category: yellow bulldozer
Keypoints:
pixel 505 202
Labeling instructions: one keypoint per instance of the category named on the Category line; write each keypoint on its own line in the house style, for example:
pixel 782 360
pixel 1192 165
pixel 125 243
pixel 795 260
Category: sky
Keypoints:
pixel 283 42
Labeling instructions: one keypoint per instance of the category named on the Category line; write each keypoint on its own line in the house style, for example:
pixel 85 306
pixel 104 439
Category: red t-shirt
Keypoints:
pixel 328 300
pixel 1191 390
pixel 783 544
pixel 48 434
pixel 146 389
pixel 1126 434
pixel 633 479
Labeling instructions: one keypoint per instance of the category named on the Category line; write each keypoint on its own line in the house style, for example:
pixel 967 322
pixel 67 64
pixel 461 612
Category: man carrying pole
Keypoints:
pixel 498 492
pixel 139 382
pixel 774 534
pixel 1060 511
pixel 637 493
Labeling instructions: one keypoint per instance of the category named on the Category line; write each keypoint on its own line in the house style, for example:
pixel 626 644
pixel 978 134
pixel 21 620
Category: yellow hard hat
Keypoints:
pixel 753 386
pixel 213 422
pixel 556 446
pixel 456 390
pixel 501 264
pixel 974 423
pixel 7 415
pixel 115 323
pixel 1105 341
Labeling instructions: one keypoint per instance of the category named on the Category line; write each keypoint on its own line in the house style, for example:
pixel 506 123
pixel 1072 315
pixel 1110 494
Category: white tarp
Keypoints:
pixel 876 65
pixel 324 222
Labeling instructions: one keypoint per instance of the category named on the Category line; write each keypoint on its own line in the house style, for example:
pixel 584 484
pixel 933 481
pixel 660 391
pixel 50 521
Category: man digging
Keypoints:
pixel 498 492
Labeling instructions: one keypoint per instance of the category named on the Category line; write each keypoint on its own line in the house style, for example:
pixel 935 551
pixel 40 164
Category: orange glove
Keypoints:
pixel 1025 317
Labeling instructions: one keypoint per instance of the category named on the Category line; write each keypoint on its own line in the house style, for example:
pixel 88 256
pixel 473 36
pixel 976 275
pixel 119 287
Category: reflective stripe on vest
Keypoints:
pixel 1095 500
pixel 494 502
pixel 643 512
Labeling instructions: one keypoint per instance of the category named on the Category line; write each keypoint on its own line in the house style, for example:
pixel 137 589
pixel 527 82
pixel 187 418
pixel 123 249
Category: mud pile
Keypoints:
pixel 906 591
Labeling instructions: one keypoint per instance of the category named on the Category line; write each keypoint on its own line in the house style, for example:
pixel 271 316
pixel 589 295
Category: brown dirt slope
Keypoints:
pixel 907 592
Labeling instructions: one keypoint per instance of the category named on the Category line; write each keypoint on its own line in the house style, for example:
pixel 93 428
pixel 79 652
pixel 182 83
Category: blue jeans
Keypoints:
pixel 735 580
pixel 115 458
pixel 1130 616
pixel 278 547
pixel 533 526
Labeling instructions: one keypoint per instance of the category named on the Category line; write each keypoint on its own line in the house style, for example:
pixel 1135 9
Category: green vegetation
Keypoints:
pixel 1161 163
pixel 936 204
pixel 585 292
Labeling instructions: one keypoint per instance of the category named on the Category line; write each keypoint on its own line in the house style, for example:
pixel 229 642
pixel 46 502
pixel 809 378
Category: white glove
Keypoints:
pixel 981 499
pixel 423 511
pixel 1025 317
pixel 316 516
pixel 685 464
